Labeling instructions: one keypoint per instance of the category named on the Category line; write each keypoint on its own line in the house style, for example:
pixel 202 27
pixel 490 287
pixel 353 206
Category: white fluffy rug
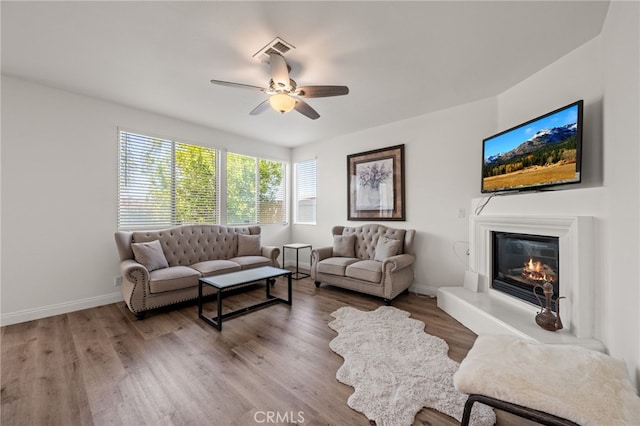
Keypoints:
pixel 396 368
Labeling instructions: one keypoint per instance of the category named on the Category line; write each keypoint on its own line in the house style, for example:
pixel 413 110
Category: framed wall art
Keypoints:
pixel 376 184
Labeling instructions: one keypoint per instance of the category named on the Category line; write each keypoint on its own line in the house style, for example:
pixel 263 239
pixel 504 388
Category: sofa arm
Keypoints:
pixel 272 252
pixel 397 274
pixel 321 253
pixel 400 261
pixel 317 255
pixel 135 285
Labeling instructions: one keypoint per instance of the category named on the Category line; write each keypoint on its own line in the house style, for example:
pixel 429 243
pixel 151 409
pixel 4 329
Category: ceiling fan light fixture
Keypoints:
pixel 282 102
pixel 283 92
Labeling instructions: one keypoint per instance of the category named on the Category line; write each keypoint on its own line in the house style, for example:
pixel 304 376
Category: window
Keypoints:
pixel 256 190
pixel 164 183
pixel 305 192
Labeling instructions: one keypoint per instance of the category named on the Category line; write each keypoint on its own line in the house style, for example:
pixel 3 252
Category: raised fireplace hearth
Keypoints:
pixel 561 252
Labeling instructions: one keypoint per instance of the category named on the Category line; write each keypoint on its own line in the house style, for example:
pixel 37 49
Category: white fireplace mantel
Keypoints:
pixel 488 311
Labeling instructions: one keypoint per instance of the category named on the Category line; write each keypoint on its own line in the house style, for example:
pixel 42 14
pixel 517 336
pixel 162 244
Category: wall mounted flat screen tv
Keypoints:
pixel 542 152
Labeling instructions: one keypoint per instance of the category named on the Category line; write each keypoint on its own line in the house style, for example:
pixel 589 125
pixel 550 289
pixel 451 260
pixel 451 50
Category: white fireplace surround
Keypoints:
pixel 487 311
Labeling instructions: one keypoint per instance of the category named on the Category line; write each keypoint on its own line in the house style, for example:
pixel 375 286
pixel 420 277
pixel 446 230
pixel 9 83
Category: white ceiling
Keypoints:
pixel 399 59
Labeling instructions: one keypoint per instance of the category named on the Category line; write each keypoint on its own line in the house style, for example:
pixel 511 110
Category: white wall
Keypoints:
pixel 442 173
pixel 621 47
pixel 605 73
pixel 59 195
pixel 443 170
pixel 578 75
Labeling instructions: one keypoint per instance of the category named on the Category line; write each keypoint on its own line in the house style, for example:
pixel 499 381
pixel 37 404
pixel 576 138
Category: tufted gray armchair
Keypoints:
pixel 188 252
pixel 372 259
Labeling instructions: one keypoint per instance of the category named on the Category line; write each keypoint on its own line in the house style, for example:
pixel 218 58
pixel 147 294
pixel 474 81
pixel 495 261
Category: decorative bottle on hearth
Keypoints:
pixel 546 318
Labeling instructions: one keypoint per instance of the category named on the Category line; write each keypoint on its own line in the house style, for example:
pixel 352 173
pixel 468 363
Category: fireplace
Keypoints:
pixel 484 309
pixel 524 262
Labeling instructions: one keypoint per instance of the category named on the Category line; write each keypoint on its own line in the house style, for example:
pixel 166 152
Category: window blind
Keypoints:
pixel 256 190
pixel 163 183
pixel 241 189
pixel 196 184
pixel 305 192
pixel 273 194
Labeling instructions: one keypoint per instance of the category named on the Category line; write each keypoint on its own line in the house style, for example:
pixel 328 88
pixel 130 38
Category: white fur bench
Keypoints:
pixel 552 384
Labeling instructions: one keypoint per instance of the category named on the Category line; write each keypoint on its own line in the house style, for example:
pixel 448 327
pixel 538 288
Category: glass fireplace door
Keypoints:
pixel 520 261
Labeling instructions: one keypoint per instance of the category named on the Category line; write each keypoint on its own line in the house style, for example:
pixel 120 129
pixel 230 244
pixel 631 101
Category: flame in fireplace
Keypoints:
pixel 535 270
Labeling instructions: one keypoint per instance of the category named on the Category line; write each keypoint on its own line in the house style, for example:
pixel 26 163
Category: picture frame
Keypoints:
pixel 375 181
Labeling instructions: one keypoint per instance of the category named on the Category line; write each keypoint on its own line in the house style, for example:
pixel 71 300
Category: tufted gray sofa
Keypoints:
pixel 384 277
pixel 191 251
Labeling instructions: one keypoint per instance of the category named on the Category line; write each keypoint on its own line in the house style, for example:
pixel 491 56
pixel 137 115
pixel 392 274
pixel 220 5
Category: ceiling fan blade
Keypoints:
pixel 240 85
pixel 279 71
pixel 260 108
pixel 322 91
pixel 303 108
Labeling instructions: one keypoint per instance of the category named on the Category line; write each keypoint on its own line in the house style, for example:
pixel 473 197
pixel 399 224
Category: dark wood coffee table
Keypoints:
pixel 238 279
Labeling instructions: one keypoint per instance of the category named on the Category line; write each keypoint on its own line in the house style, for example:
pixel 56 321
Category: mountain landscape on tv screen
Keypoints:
pixel 547 157
pixel 541 139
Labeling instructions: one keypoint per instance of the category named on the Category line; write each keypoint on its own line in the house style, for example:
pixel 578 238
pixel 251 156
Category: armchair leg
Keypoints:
pixel 387 302
pixel 317 283
pixel 140 315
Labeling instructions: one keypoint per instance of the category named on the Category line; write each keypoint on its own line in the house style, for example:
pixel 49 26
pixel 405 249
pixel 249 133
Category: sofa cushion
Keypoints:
pixel 172 278
pixel 335 265
pixel 248 245
pixel 344 245
pixel 366 270
pixel 386 248
pixel 150 255
pixel 248 262
pixel 214 267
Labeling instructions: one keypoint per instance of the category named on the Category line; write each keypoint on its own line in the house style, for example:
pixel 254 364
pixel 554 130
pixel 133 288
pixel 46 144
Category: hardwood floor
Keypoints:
pixel 102 366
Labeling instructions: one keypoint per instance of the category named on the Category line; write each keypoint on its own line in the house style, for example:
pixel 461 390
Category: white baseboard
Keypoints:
pixel 58 308
pixel 423 289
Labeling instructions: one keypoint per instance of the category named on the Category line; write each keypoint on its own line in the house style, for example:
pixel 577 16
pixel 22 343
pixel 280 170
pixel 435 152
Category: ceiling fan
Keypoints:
pixel 284 93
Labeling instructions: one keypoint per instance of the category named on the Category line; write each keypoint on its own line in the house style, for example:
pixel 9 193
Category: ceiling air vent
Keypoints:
pixel 277 45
